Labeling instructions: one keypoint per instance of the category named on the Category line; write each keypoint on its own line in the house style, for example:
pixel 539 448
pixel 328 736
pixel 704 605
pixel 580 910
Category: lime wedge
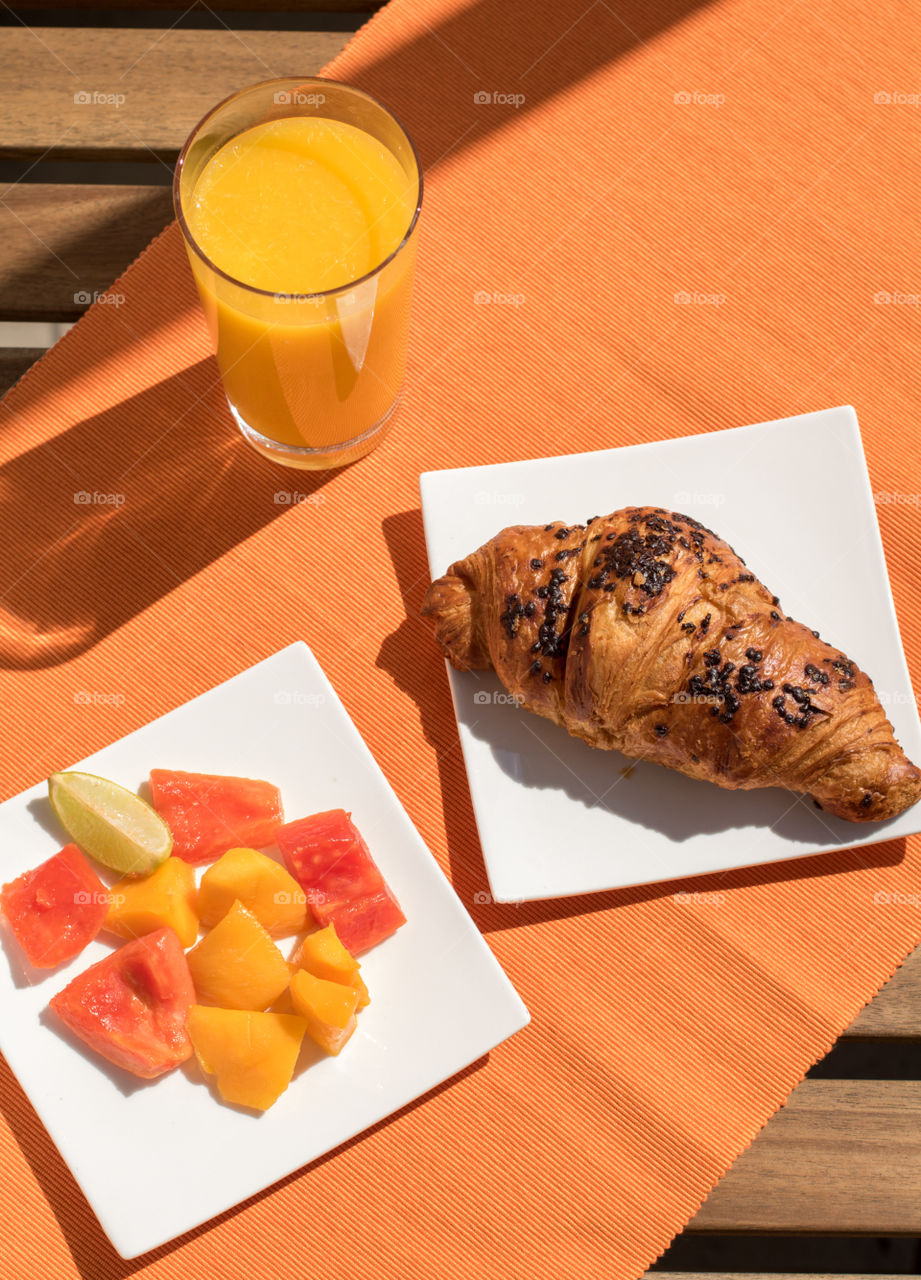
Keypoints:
pixel 110 823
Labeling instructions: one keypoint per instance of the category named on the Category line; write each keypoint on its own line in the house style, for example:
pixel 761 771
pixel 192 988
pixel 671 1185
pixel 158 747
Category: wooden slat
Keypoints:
pixel 895 1014
pixel 843 1156
pixel 14 361
pixel 152 86
pixel 62 245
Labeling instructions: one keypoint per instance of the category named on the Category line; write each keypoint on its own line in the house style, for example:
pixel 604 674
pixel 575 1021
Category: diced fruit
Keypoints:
pixel 364 922
pixel 328 857
pixel 261 884
pixel 323 955
pixel 252 1054
pixel 326 852
pixel 364 996
pixel 328 1008
pixel 166 897
pixel 283 1003
pixel 55 909
pixel 209 813
pixel 237 965
pixel 110 823
pixel 131 1007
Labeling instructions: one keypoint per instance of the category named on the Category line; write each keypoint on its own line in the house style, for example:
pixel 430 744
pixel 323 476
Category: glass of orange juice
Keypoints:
pixel 298 201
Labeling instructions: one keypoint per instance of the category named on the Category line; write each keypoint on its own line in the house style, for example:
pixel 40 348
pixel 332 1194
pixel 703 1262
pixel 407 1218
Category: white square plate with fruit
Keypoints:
pixel 438 998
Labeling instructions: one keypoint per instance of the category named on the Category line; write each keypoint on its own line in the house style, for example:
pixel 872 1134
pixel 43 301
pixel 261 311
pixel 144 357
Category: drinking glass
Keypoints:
pixel 312 379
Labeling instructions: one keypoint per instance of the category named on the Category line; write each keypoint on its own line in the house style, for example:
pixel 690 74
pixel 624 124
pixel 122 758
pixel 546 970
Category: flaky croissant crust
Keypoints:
pixel 644 632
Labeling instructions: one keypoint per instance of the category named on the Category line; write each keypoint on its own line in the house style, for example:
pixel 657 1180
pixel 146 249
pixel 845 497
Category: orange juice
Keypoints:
pixel 310 336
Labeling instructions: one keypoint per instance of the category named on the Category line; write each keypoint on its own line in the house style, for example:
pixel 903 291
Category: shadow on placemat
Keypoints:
pixel 100 522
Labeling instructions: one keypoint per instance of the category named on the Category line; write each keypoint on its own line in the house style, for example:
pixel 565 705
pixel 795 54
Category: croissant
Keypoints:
pixel 643 632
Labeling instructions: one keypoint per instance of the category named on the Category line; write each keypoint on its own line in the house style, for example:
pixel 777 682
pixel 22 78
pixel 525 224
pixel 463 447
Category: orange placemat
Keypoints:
pixel 733 153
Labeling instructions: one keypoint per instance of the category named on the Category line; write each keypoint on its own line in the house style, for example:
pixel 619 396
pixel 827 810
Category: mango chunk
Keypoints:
pixel 323 955
pixel 328 1008
pixel 263 886
pixel 237 965
pixel 253 1055
pixel 283 1003
pixel 364 996
pixel 164 898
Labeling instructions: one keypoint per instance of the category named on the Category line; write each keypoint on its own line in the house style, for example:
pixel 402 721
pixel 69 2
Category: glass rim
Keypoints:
pixel 276 294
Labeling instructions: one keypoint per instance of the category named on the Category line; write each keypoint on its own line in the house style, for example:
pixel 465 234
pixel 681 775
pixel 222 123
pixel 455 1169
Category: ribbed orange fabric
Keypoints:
pixel 776 187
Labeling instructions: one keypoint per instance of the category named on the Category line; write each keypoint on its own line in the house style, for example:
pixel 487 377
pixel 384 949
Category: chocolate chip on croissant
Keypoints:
pixel 643 632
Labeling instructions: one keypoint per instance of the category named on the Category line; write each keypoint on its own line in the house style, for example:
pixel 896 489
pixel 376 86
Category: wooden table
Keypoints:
pixel 85 187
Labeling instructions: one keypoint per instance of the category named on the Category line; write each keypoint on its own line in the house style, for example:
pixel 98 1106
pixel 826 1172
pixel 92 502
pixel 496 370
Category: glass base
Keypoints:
pixel 307 459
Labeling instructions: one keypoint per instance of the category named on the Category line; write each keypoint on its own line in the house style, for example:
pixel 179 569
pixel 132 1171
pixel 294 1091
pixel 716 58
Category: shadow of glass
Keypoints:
pixel 123 508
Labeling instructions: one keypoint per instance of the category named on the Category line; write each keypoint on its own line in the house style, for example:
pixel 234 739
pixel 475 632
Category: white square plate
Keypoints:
pixel 557 817
pixel 439 1000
